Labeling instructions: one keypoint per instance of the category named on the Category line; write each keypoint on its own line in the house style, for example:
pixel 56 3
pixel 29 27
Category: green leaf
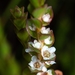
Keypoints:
pixel 31 33
pixel 42 2
pixel 43 36
pixel 20 23
pixel 23 35
pixel 45 24
pixel 50 11
pixel 30 8
pixel 37 3
pixel 36 22
pixel 37 13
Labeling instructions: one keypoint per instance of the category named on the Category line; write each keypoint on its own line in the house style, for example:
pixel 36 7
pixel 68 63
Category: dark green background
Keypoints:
pixel 63 26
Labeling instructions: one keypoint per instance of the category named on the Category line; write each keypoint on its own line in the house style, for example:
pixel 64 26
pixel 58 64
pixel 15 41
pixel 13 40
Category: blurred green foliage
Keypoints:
pixel 13 59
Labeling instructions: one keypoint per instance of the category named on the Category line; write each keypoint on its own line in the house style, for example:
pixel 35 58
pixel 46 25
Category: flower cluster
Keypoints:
pixel 41 50
pixel 40 46
pixel 45 53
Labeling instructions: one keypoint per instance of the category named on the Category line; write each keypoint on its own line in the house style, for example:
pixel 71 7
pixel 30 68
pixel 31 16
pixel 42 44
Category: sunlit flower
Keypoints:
pixel 36 44
pixel 50 62
pixel 45 30
pixel 46 17
pixel 48 53
pixel 35 64
pixel 49 72
pixel 33 28
pixel 48 40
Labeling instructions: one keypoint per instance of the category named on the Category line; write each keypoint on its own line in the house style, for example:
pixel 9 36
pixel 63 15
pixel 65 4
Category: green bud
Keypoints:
pixel 17 12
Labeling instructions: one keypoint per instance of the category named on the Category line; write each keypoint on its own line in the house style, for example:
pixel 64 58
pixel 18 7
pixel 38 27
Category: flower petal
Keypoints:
pixel 28 50
pixel 44 69
pixel 34 58
pixel 50 62
pixel 47 40
pixel 33 28
pixel 52 49
pixel 36 44
pixel 46 17
pixel 45 31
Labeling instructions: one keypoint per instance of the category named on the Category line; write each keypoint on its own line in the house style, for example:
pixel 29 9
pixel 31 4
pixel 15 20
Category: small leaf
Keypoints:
pixel 42 2
pixel 30 8
pixel 36 22
pixel 37 13
pixel 37 3
pixel 17 12
pixel 43 36
pixel 23 35
pixel 20 23
pixel 50 11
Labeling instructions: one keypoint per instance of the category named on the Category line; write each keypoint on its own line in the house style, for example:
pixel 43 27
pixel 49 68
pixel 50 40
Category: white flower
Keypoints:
pixel 33 28
pixel 36 44
pixel 48 40
pixel 35 64
pixel 48 53
pixel 45 30
pixel 46 17
pixel 49 72
pixel 50 62
pixel 28 50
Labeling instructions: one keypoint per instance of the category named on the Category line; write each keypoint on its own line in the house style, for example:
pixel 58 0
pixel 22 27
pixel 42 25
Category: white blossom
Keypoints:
pixel 35 64
pixel 50 62
pixel 46 17
pixel 48 72
pixel 48 53
pixel 45 30
pixel 28 50
pixel 36 44
pixel 33 28
pixel 48 40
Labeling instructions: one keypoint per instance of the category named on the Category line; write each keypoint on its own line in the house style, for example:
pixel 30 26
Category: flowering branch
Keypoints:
pixel 40 48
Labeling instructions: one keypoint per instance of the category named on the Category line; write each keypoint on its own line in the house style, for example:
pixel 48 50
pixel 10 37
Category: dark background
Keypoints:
pixel 63 26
